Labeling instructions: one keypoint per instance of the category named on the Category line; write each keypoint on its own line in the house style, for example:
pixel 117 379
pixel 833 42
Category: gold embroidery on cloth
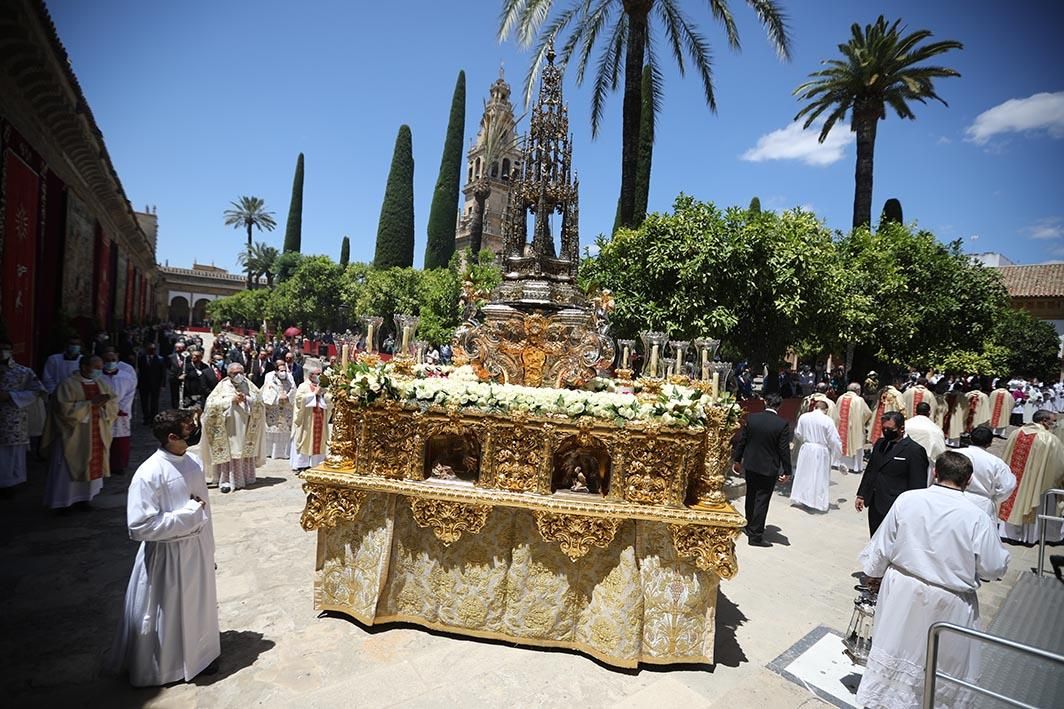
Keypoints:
pixel 710 548
pixel 576 534
pixel 449 519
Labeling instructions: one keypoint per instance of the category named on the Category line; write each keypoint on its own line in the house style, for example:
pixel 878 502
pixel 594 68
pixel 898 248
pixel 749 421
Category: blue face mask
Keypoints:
pixel 73 350
pixel 96 374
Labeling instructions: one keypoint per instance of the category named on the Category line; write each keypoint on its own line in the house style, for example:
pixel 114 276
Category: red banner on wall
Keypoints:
pixel 22 199
pixel 103 277
pixel 127 310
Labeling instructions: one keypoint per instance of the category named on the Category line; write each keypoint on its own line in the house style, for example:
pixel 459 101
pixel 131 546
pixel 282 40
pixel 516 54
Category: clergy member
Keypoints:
pixel 821 394
pixel 927 433
pixel 820 446
pixel 978 409
pixel 310 430
pixel 233 425
pixel 169 629
pixel 277 390
pixel 1001 405
pixel 1036 457
pixel 123 382
pixel 930 553
pixel 954 414
pixel 79 430
pixel 992 480
pixel 916 394
pixel 58 367
pixel 890 399
pixel 19 390
pixel 854 415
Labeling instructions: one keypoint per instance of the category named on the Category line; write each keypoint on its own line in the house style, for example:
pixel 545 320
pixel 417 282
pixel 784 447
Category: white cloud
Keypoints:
pixel 793 143
pixel 943 140
pixel 1048 228
pixel 1044 111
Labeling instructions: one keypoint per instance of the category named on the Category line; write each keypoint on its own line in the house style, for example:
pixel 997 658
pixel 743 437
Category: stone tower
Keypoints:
pixel 493 177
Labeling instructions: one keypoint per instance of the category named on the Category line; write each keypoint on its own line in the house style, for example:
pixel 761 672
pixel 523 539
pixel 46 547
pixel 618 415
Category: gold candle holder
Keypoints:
pixel 403 365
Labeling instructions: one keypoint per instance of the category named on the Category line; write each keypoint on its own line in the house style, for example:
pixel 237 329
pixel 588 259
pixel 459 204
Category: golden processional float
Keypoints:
pixel 502 498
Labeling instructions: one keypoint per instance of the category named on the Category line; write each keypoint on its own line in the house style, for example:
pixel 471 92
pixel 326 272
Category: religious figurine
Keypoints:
pixel 442 472
pixel 579 481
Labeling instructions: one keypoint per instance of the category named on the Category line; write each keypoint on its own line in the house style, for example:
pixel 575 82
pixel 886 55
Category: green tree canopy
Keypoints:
pixel 293 234
pixel 310 297
pixel 443 214
pixel 345 252
pixel 395 231
pixel 246 213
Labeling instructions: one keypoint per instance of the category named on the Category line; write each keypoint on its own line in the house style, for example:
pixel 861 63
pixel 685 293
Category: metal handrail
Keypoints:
pixel 1043 518
pixel 932 674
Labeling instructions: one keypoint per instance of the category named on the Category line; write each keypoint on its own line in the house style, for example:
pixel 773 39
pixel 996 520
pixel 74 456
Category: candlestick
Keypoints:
pixel 705 363
pixel 624 357
pixel 714 385
pixel 654 361
pixel 345 353
pixel 370 347
pixel 406 338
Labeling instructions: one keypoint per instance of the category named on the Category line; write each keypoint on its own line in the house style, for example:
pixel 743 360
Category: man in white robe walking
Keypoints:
pixel 123 382
pixel 820 446
pixel 930 552
pixel 278 390
pixel 58 367
pixel 169 628
pixel 853 418
pixel 310 430
pixel 928 434
pixel 1036 457
pixel 1001 405
pixel 992 482
pixel 234 422
pixel 19 390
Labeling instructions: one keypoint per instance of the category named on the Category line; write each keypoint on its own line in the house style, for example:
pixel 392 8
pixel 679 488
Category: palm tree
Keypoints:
pixel 880 68
pixel 627 30
pixel 499 139
pixel 250 212
pixel 262 257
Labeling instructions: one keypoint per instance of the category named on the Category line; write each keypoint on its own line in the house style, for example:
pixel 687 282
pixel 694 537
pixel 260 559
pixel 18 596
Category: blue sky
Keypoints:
pixel 201 102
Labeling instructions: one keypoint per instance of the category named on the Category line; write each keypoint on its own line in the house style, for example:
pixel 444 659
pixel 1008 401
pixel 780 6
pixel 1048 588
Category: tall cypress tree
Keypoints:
pixel 345 252
pixel 443 214
pixel 755 206
pixel 395 231
pixel 646 148
pixel 293 233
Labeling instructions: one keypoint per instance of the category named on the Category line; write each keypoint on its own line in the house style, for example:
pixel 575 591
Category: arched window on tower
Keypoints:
pixel 470 172
pixel 495 169
pixel 505 168
pixel 476 170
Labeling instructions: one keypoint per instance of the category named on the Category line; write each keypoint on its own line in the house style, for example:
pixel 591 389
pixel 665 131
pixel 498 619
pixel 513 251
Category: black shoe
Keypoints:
pixel 1057 560
pixel 758 542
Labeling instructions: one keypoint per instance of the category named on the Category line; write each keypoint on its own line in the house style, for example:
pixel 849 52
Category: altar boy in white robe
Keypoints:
pixel 820 446
pixel 169 628
pixel 310 427
pixel 930 552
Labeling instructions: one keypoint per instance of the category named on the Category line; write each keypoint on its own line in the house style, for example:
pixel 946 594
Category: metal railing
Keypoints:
pixel 1048 500
pixel 932 674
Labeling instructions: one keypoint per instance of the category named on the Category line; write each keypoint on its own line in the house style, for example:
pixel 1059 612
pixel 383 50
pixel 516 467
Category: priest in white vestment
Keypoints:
pixel 820 446
pixel 853 418
pixel 978 410
pixel 930 552
pixel 169 628
pixel 310 429
pixel 954 413
pixel 890 399
pixel 821 394
pixel 79 431
pixel 927 433
pixel 992 480
pixel 123 381
pixel 1036 457
pixel 1001 405
pixel 916 394
pixel 19 391
pixel 59 367
pixel 277 391
pixel 234 421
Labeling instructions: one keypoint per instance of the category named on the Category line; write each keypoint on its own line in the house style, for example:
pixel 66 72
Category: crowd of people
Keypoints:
pixel 939 503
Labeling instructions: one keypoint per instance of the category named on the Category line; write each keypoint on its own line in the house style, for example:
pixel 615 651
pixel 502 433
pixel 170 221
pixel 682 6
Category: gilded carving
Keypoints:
pixel 517 461
pixel 709 548
pixel 575 534
pixel 394 445
pixel 449 519
pixel 326 506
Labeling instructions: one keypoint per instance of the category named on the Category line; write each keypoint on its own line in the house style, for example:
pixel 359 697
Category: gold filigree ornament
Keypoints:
pixel 576 534
pixel 709 548
pixel 326 506
pixel 449 519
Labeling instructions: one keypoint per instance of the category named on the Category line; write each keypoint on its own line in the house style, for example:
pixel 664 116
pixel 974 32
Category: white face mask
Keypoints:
pixel 238 378
pixel 5 355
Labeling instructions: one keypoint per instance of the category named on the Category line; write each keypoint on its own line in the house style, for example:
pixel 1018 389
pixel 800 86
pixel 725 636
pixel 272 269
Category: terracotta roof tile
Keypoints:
pixel 1039 281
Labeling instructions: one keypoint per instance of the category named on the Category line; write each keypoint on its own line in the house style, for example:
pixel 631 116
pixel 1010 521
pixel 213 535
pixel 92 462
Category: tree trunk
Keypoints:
pixel 476 223
pixel 633 105
pixel 249 262
pixel 866 122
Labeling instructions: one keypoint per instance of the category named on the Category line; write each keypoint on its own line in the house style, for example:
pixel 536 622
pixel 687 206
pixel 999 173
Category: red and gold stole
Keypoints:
pixel 995 417
pixel 973 402
pixel 318 417
pixel 1017 463
pixel 844 422
pixel 877 423
pixel 96 444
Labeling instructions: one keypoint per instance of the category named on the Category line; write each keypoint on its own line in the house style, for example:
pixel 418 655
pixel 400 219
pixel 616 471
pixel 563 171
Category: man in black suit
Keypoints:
pixel 151 373
pixel 763 455
pixel 898 464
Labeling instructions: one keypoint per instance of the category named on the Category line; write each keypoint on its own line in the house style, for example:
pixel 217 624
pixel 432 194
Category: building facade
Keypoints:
pixel 488 171
pixel 185 292
pixel 74 256
pixel 1038 289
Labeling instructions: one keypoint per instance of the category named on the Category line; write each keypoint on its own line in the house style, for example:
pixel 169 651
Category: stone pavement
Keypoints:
pixel 64 578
